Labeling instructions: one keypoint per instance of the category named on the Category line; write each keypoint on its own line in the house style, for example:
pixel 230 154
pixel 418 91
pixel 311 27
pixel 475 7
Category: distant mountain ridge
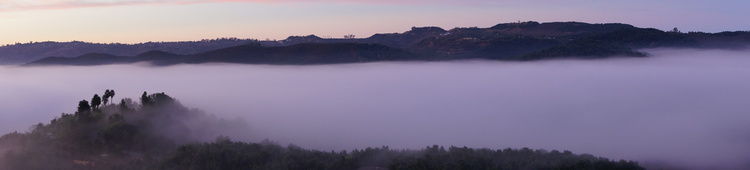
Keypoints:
pixel 508 41
pixel 20 53
pixel 298 54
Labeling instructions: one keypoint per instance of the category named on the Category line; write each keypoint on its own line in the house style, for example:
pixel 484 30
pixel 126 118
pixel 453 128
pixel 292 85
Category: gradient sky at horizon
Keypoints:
pixel 132 21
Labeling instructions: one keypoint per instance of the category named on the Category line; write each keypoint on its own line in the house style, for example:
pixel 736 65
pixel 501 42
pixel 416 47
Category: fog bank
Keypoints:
pixel 685 107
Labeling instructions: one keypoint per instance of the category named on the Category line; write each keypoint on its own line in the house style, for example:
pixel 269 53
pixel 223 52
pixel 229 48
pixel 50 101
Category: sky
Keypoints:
pixel 133 21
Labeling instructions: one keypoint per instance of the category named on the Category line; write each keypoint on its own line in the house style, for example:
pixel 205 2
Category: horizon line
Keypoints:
pixel 321 37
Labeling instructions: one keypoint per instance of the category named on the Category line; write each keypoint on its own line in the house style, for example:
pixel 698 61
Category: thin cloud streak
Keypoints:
pixel 17 5
pixel 20 5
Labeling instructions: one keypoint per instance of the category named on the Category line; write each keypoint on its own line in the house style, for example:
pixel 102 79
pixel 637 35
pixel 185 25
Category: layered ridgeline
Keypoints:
pixel 160 133
pixel 519 41
pixel 20 53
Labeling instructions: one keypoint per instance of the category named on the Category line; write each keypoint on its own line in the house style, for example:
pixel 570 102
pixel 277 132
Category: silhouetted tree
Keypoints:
pixel 105 97
pixel 145 100
pixel 83 106
pixel 112 94
pixel 123 105
pixel 675 30
pixel 96 101
pixel 108 96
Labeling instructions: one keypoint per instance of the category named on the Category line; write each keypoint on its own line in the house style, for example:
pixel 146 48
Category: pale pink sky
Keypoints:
pixel 131 21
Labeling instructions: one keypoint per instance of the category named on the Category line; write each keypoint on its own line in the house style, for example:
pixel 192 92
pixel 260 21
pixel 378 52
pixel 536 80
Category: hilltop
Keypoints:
pixel 160 133
pixel 521 41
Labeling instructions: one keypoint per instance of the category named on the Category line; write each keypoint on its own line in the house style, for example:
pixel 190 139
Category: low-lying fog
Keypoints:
pixel 685 107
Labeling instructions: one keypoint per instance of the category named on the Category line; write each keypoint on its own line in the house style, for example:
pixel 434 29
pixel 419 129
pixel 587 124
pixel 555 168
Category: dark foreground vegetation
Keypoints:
pixel 226 154
pixel 160 133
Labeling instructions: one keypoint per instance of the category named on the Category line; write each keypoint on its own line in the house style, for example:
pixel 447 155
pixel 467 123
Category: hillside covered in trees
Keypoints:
pixel 158 132
pixel 299 54
pixel 520 41
pixel 20 53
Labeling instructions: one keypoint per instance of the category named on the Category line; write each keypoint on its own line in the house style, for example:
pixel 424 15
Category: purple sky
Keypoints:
pixel 131 21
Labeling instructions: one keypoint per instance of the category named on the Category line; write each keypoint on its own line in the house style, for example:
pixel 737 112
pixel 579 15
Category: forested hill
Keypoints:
pixel 298 54
pixel 508 41
pixel 20 53
pixel 159 133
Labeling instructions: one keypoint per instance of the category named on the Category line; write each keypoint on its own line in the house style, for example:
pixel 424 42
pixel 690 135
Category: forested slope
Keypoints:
pixel 160 133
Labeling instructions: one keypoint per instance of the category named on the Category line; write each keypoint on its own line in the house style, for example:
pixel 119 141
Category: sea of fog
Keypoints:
pixel 684 107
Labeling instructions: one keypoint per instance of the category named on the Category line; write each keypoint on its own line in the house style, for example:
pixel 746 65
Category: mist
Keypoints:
pixel 682 108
